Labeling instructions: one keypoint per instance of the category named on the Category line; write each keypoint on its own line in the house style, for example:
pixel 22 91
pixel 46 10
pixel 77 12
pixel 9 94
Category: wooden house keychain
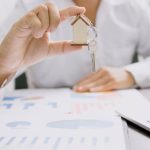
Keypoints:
pixel 84 33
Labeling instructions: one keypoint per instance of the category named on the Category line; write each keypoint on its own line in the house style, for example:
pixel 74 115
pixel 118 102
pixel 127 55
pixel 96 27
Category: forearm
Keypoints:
pixel 5 76
pixel 3 80
pixel 6 69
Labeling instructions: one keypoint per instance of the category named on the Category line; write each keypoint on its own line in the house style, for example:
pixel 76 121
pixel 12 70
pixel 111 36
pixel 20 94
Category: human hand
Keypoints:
pixel 106 79
pixel 27 42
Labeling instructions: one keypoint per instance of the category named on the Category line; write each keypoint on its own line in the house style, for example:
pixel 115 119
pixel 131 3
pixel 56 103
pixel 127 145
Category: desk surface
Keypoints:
pixel 139 139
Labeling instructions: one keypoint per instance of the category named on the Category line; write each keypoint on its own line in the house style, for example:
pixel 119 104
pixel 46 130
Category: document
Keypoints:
pixel 61 120
pixel 67 101
pixel 136 111
pixel 61 132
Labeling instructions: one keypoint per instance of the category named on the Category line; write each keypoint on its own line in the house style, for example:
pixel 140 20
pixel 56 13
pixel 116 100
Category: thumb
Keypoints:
pixel 70 12
pixel 61 47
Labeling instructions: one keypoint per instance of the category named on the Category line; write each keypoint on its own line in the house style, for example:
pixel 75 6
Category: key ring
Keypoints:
pixel 92 34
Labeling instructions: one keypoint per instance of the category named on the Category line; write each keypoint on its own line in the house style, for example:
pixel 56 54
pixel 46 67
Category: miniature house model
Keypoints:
pixel 80 30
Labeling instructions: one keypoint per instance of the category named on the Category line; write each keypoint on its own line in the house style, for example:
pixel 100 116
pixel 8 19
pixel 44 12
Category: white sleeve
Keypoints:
pixel 141 70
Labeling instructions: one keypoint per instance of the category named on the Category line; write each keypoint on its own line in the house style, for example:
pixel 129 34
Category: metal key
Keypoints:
pixel 93 62
pixel 92 51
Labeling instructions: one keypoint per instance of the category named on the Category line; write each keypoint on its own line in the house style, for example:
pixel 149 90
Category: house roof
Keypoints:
pixel 83 18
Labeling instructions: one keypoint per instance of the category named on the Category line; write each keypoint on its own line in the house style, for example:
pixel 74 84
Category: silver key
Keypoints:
pixel 92 51
pixel 92 46
pixel 93 62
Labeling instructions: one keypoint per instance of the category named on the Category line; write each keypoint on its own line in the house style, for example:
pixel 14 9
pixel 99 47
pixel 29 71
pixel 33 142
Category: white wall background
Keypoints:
pixel 6 7
pixel 148 1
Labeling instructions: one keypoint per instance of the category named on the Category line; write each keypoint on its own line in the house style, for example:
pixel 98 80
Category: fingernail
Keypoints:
pixel 82 88
pixel 38 35
pixel 75 88
pixel 79 88
pixel 92 90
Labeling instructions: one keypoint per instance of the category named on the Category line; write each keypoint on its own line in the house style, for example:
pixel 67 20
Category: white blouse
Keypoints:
pixel 123 29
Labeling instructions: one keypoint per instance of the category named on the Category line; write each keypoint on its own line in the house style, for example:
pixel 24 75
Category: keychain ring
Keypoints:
pixel 92 34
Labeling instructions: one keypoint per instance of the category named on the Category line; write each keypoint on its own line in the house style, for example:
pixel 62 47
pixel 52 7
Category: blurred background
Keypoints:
pixel 6 7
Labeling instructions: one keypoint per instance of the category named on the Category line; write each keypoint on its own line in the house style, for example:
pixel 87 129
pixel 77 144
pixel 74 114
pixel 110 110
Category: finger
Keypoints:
pixel 61 47
pixel 42 13
pixel 98 82
pixel 71 11
pixel 27 25
pixel 91 78
pixel 81 89
pixel 54 16
pixel 93 84
pixel 107 87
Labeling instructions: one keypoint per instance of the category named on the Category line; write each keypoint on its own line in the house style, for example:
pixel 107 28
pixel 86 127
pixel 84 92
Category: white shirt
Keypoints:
pixel 124 29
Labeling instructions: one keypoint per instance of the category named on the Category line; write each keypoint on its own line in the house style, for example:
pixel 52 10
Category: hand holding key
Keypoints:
pixel 27 42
